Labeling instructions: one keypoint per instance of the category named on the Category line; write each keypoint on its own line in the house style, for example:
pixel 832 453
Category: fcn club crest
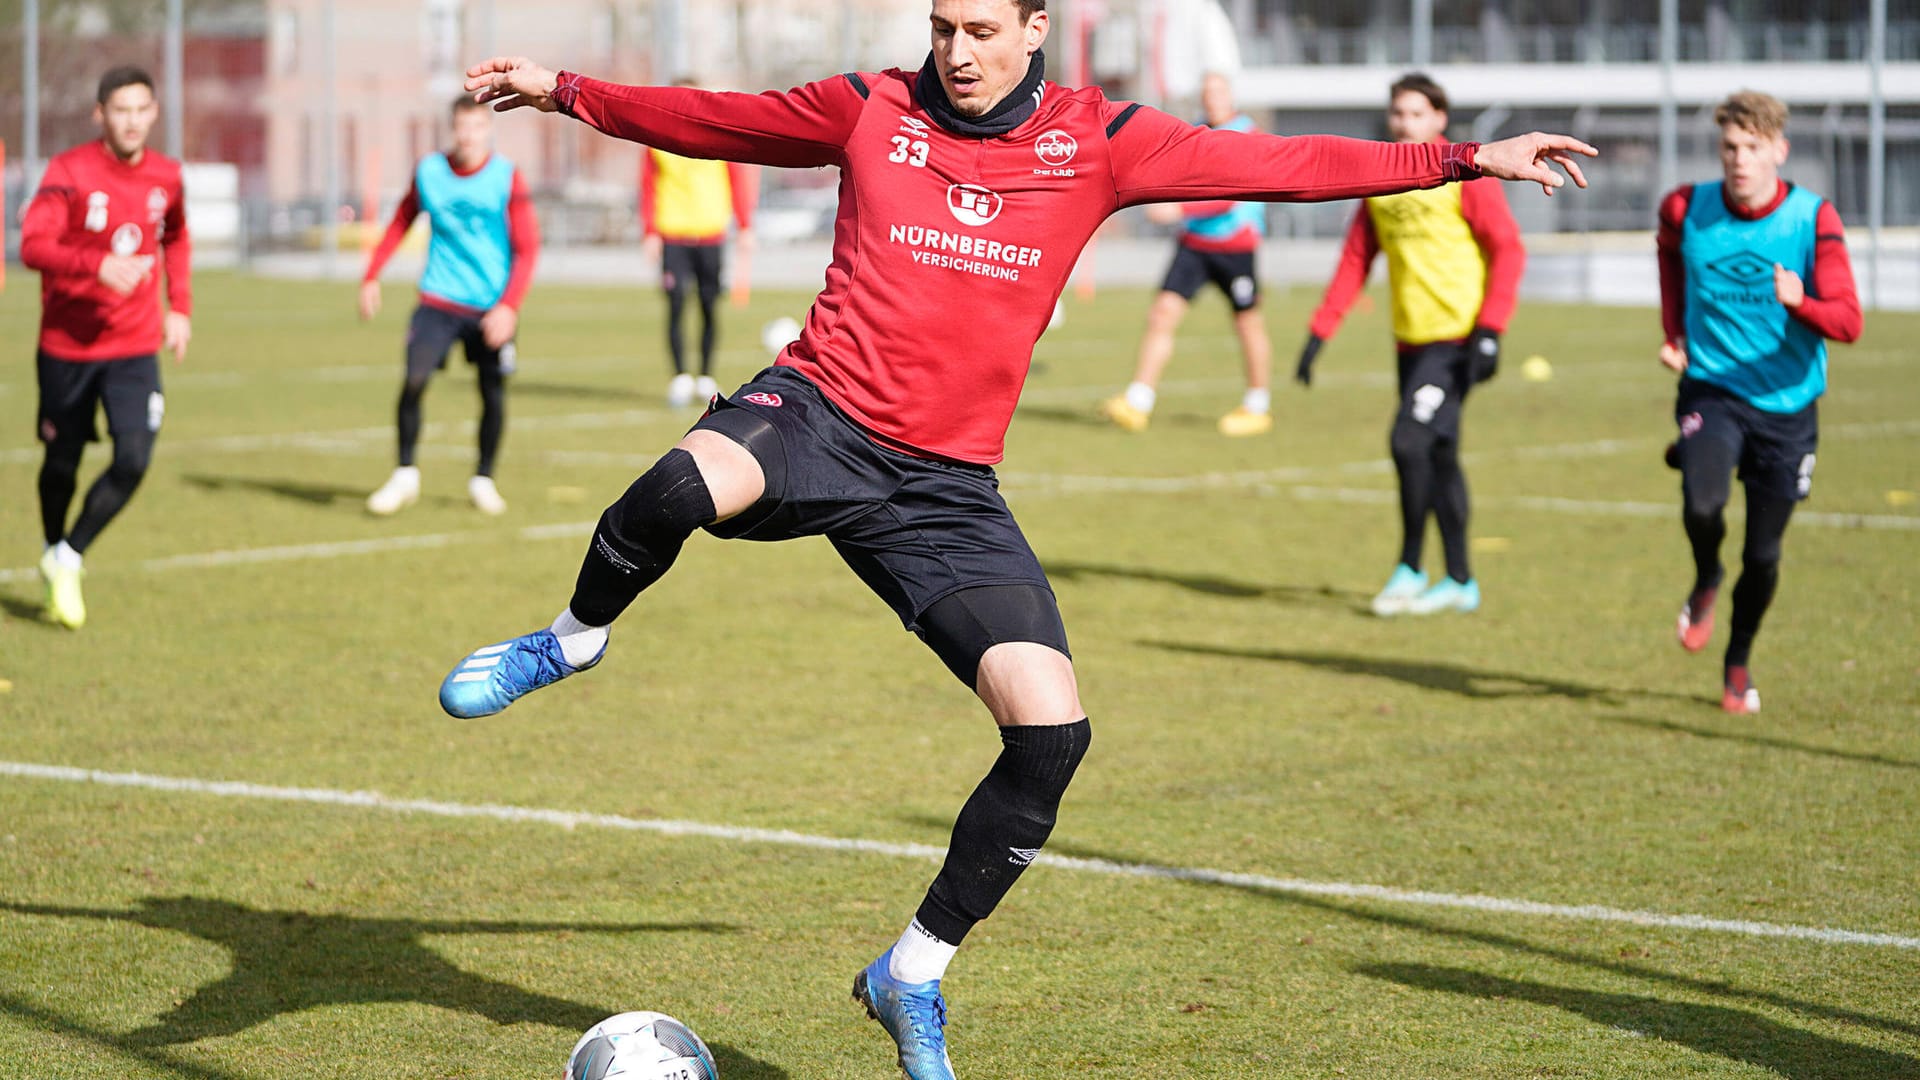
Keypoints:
pixel 1056 148
pixel 973 205
pixel 771 401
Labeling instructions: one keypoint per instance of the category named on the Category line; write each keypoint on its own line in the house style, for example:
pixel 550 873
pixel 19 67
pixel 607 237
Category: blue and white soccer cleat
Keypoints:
pixel 491 679
pixel 1447 595
pixel 1403 588
pixel 913 1013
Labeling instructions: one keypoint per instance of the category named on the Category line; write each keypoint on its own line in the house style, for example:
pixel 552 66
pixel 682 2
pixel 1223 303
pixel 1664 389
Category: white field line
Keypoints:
pixel 1596 508
pixel 369 800
pixel 340 549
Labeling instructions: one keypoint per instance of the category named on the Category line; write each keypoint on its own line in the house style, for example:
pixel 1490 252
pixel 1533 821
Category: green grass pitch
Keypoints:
pixel 250 623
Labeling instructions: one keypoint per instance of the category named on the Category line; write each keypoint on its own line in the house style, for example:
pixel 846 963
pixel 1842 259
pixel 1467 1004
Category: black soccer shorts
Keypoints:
pixel 1775 451
pixel 431 336
pixel 72 393
pixel 1234 272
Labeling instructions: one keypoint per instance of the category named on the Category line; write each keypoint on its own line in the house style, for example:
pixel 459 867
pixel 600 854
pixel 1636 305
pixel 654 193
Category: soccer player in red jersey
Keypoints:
pixel 1754 281
pixel 967 190
pixel 108 219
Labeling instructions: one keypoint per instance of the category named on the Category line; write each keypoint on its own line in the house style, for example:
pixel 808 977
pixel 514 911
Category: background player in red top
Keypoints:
pixel 1454 261
pixel 105 216
pixel 967 191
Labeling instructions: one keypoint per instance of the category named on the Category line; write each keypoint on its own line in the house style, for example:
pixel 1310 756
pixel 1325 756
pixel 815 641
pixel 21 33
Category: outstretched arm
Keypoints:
pixel 1157 158
pixel 803 128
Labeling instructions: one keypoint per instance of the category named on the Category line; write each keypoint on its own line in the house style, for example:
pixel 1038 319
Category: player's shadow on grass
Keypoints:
pixel 1733 1034
pixel 288 961
pixel 26 610
pixel 298 491
pixel 1761 740
pixel 1467 682
pixel 1205 584
pixel 1612 965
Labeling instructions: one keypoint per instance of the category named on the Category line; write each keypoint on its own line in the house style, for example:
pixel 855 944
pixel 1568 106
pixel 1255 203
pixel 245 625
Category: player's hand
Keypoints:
pixel 1673 356
pixel 498 326
pixel 1303 374
pixel 513 82
pixel 1788 287
pixel 745 242
pixel 1483 354
pixel 369 300
pixel 651 246
pixel 1523 158
pixel 175 331
pixel 124 273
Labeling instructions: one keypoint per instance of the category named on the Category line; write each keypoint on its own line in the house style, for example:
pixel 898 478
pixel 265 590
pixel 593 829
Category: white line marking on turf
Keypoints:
pixel 371 800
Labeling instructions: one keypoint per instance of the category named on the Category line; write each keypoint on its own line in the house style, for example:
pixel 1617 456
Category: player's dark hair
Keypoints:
pixel 1028 7
pixel 122 76
pixel 1418 82
pixel 463 103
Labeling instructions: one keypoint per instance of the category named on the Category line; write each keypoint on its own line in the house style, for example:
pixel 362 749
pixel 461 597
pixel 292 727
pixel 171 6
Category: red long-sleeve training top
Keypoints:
pixel 949 251
pixel 90 205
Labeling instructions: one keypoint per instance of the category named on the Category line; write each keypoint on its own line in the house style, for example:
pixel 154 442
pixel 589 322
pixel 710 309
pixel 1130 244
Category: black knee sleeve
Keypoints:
pixel 639 537
pixel 1003 826
pixel 961 627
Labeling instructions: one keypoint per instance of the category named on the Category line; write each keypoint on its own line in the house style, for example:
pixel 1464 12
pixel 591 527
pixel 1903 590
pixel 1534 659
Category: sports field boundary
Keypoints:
pixel 568 819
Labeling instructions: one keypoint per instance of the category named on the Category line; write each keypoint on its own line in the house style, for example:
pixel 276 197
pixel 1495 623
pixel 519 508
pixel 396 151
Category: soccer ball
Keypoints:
pixel 779 333
pixel 641 1046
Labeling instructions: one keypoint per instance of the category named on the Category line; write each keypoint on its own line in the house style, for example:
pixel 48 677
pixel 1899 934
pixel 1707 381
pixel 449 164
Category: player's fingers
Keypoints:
pixel 1569 143
pixel 1572 167
pixel 479 73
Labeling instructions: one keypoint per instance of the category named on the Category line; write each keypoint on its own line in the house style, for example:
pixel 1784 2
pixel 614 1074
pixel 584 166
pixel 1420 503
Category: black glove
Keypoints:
pixel 1308 353
pixel 1483 354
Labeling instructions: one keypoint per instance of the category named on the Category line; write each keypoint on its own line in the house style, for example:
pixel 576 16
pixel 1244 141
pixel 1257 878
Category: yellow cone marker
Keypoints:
pixel 1902 498
pixel 1536 369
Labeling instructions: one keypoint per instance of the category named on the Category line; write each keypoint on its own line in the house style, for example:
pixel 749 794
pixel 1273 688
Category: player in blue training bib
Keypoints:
pixel 1754 280
pixel 1219 243
pixel 479 263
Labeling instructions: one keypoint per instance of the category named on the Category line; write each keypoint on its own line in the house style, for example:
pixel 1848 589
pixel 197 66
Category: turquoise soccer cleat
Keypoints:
pixel 1403 588
pixel 491 679
pixel 1447 595
pixel 913 1013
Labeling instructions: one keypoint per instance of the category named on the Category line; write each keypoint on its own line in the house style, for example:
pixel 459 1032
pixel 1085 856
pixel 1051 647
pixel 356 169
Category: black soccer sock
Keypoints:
pixel 677 329
pixel 1451 509
pixel 59 479
pixel 110 494
pixel 1706 482
pixel 709 333
pixel 639 537
pixel 1412 444
pixel 493 417
pixel 1003 826
pixel 408 420
pixel 1767 519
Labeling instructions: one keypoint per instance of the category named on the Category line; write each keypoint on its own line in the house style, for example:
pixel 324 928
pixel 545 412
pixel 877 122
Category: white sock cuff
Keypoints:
pixel 919 957
pixel 1258 401
pixel 1141 396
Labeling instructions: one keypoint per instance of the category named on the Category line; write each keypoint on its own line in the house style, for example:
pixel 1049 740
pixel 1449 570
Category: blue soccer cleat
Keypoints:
pixel 491 679
pixel 1403 588
pixel 1447 595
pixel 913 1013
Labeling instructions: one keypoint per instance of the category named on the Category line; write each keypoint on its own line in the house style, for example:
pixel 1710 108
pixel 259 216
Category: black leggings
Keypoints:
pixel 59 479
pixel 1706 485
pixel 493 415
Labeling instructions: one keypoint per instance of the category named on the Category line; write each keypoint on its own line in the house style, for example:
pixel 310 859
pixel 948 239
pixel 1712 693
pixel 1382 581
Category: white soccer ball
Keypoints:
pixel 641 1046
pixel 779 334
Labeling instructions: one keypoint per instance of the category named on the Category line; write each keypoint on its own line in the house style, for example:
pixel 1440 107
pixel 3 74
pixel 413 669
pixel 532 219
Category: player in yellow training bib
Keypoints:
pixel 1454 260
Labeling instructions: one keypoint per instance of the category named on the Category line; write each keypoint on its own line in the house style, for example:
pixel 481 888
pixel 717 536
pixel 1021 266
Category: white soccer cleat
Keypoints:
pixel 486 497
pixel 704 389
pixel 680 392
pixel 401 490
